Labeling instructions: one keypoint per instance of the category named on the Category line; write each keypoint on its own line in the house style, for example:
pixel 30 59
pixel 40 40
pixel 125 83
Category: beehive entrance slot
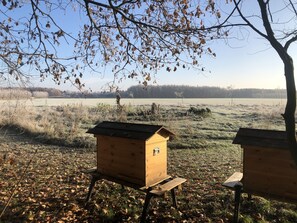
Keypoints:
pixel 156 151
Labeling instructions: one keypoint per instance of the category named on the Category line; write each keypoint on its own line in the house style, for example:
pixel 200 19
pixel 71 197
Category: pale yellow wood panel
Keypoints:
pixel 283 187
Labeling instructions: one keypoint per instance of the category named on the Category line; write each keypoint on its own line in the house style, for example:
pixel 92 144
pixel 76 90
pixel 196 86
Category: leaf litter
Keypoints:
pixel 54 187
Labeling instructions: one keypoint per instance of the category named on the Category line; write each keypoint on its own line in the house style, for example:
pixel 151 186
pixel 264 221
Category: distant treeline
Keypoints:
pixel 139 91
pixel 176 91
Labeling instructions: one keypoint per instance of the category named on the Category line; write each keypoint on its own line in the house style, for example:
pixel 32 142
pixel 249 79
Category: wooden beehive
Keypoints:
pixel 268 167
pixel 132 153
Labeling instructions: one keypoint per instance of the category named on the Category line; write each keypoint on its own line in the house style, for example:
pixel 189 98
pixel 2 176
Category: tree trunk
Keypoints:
pixel 290 109
pixel 289 114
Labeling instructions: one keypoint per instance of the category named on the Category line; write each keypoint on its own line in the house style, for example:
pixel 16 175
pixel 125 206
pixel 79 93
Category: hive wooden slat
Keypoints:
pixel 270 161
pixel 233 180
pixel 168 186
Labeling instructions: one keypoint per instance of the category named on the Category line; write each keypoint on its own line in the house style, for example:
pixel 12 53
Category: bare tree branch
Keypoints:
pixel 293 7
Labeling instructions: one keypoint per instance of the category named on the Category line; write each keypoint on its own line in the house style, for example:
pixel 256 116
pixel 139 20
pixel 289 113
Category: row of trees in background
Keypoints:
pixel 165 91
pixel 175 91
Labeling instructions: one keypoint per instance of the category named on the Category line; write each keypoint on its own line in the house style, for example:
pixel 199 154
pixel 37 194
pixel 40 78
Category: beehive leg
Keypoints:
pixel 145 206
pixel 173 197
pixel 238 191
pixel 250 197
pixel 92 184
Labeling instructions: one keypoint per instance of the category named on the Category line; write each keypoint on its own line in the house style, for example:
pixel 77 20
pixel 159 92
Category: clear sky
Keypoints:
pixel 244 64
pixel 248 63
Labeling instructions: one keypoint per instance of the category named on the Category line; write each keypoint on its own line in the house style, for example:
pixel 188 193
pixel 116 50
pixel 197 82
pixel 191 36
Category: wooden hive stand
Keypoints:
pixel 234 183
pixel 160 190
pixel 156 190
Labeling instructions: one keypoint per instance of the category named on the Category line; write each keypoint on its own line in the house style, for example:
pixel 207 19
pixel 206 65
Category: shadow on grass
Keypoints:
pixel 20 134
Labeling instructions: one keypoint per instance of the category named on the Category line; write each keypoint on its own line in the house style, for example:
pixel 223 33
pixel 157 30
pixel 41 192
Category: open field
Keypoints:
pixel 44 150
pixel 146 101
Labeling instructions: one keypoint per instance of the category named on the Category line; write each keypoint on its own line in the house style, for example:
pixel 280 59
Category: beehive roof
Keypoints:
pixel 129 130
pixel 261 137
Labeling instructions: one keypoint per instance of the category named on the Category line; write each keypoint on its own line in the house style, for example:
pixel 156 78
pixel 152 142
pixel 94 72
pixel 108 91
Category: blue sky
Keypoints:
pixel 247 63
pixel 244 64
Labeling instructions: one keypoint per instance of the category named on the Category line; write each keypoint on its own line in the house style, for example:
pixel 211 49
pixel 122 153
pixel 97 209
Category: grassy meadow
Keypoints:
pixel 44 151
